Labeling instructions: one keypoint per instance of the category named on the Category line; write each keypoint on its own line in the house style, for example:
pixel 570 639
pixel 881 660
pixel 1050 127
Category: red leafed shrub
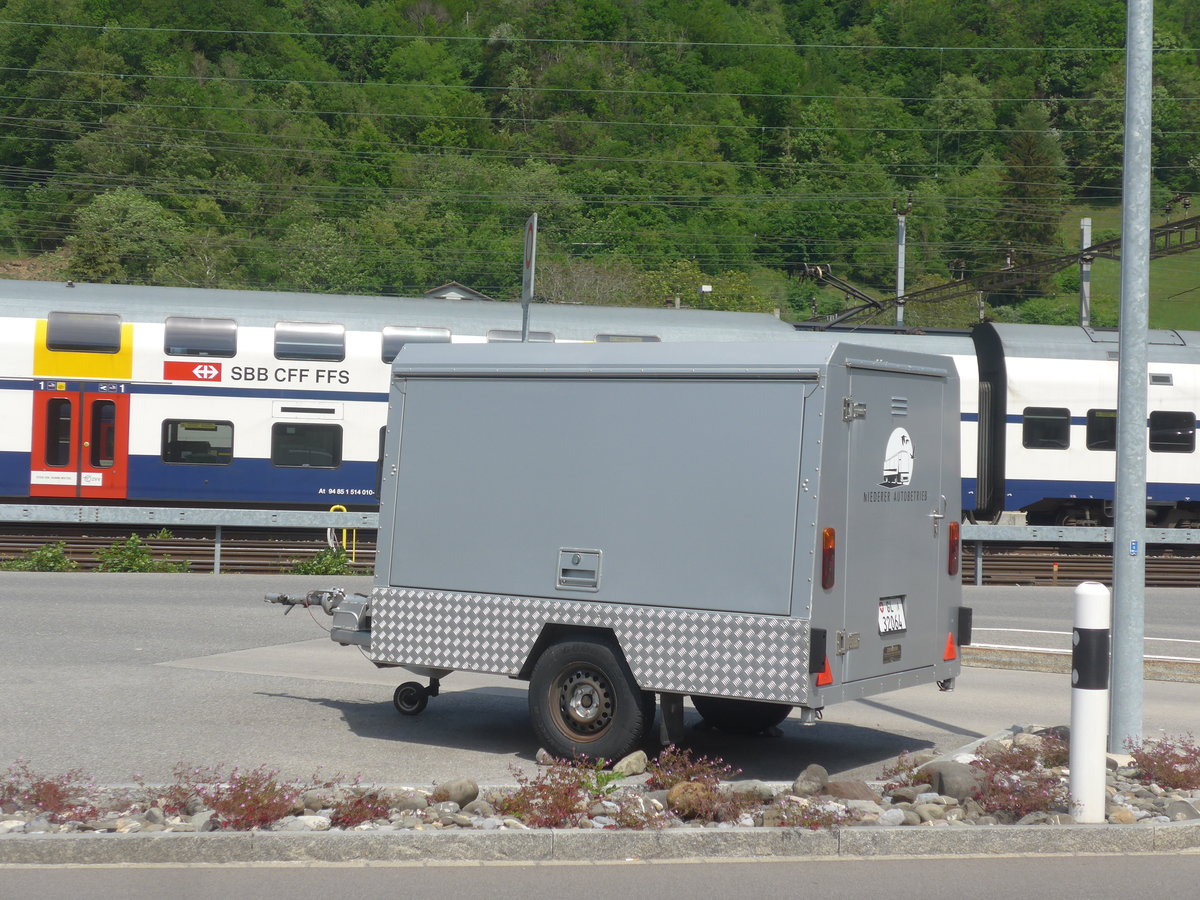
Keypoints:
pixel 63 798
pixel 674 765
pixel 1169 762
pixel 1015 784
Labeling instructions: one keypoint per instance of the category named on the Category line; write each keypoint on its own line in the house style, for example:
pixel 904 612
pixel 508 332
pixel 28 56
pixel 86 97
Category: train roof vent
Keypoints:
pixel 1158 336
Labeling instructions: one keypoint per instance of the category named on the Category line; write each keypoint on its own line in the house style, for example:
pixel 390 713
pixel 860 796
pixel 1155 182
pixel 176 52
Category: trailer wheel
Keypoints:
pixel 410 698
pixel 740 716
pixel 584 701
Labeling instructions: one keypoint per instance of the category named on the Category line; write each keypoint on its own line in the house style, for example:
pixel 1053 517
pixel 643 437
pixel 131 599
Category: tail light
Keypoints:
pixel 955 550
pixel 828 553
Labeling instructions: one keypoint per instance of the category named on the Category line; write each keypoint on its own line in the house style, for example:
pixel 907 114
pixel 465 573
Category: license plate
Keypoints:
pixel 891 615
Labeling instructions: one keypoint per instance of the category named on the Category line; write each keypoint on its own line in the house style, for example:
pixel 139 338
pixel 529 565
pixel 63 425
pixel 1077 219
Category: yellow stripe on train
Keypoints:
pixel 49 363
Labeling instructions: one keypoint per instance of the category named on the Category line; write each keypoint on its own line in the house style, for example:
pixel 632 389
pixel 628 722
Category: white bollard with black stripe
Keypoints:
pixel 1089 701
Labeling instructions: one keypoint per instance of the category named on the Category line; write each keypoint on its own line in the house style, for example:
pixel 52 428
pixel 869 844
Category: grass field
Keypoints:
pixel 1174 280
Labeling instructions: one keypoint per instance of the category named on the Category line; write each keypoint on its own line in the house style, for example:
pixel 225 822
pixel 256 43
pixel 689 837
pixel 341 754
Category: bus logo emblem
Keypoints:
pixel 898 460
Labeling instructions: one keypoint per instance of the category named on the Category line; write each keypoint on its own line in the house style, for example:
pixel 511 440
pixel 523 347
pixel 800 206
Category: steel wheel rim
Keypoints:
pixel 584 702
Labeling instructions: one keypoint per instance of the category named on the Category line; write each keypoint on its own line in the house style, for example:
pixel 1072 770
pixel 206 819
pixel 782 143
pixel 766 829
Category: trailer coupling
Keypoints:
pixel 351 615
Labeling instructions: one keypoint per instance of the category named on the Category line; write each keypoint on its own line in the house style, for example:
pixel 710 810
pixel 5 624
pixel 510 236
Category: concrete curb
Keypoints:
pixel 1059 662
pixel 565 845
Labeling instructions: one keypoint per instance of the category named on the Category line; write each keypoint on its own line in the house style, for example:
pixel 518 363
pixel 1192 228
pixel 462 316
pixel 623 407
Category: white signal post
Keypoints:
pixel 1089 701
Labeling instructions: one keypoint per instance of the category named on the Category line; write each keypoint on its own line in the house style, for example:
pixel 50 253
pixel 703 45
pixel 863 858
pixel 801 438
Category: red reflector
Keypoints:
pixel 825 676
pixel 951 650
pixel 828 554
pixel 955 549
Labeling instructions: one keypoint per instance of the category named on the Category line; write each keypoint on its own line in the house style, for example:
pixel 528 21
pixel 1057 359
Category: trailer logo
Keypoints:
pixel 186 371
pixel 898 460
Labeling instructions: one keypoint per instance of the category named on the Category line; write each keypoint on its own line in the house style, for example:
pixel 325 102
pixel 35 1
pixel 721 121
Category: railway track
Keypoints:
pixel 246 553
pixel 257 552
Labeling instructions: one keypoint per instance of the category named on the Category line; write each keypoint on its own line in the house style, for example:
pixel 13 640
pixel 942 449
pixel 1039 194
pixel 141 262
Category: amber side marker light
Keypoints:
pixel 828 557
pixel 955 549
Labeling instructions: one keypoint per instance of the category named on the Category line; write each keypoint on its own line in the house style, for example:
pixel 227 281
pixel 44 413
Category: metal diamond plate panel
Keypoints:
pixel 675 650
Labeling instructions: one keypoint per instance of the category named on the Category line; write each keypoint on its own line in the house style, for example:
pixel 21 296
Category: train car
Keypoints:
pixel 1047 424
pixel 161 396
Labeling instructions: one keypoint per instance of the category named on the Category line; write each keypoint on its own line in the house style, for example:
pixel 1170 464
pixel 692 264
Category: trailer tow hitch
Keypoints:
pixel 328 599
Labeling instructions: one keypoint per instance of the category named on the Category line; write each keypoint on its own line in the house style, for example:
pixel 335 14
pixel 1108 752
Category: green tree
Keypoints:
pixel 123 237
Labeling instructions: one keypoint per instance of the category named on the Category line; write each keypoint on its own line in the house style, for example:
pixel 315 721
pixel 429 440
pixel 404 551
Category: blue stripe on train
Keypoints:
pixel 253 481
pixel 243 481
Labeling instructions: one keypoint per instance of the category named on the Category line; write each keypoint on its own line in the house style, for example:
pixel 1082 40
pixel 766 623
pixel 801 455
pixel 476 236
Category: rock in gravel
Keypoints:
pixel 953 779
pixel 908 793
pixel 543 757
pixel 314 799
pixel 406 801
pixel 753 788
pixel 460 790
pixel 480 808
pixel 811 781
pixel 155 816
pixel 689 798
pixel 850 790
pixel 1182 810
pixel 39 825
pixel 307 823
pixel 633 764
pixel 891 816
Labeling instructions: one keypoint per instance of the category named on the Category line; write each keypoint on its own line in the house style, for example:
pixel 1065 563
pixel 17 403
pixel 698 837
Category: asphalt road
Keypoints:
pixel 1041 618
pixel 135 674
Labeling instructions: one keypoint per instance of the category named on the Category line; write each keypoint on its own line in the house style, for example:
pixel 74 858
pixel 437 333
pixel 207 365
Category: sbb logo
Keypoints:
pixel 249 373
pixel 191 371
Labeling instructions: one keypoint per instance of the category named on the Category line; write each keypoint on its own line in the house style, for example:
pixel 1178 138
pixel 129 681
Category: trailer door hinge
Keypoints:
pixel 852 410
pixel 845 641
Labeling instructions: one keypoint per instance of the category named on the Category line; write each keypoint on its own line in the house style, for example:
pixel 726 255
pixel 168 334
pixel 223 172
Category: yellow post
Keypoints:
pixel 354 534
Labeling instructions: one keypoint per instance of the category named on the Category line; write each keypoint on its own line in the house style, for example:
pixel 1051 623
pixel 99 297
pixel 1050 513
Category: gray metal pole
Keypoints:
pixel 1085 273
pixel 900 239
pixel 1129 563
pixel 217 551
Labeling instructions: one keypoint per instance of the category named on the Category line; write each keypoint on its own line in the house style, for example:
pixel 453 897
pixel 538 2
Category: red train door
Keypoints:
pixel 80 441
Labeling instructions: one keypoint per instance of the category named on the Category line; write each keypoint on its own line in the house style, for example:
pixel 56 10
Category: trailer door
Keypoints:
pixel 80 446
pixel 896 519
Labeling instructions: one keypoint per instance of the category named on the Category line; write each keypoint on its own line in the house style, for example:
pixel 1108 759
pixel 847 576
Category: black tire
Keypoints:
pixel 740 716
pixel 584 701
pixel 410 699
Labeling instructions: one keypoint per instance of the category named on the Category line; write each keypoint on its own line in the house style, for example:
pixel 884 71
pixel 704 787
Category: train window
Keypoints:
pixel 297 444
pixel 103 444
pixel 83 332
pixel 504 336
pixel 310 340
pixel 396 336
pixel 1102 429
pixel 625 338
pixel 1172 432
pixel 197 443
pixel 1046 428
pixel 192 336
pixel 58 431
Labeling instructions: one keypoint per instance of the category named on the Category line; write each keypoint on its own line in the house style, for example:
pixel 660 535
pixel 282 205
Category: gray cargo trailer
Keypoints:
pixel 762 527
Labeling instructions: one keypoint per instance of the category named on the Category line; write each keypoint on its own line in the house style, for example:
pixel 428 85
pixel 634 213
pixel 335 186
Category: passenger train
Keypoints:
pixel 177 396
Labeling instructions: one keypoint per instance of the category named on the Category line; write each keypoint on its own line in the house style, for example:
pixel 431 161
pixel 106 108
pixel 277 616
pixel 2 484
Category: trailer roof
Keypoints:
pixel 804 359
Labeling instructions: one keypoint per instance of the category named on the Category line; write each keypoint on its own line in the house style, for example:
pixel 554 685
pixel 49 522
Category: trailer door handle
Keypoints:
pixel 938 516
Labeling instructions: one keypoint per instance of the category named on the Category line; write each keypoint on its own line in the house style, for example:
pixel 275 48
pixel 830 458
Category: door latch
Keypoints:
pixel 852 410
pixel 845 641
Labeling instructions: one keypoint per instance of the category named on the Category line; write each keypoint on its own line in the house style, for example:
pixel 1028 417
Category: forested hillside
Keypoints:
pixel 385 146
